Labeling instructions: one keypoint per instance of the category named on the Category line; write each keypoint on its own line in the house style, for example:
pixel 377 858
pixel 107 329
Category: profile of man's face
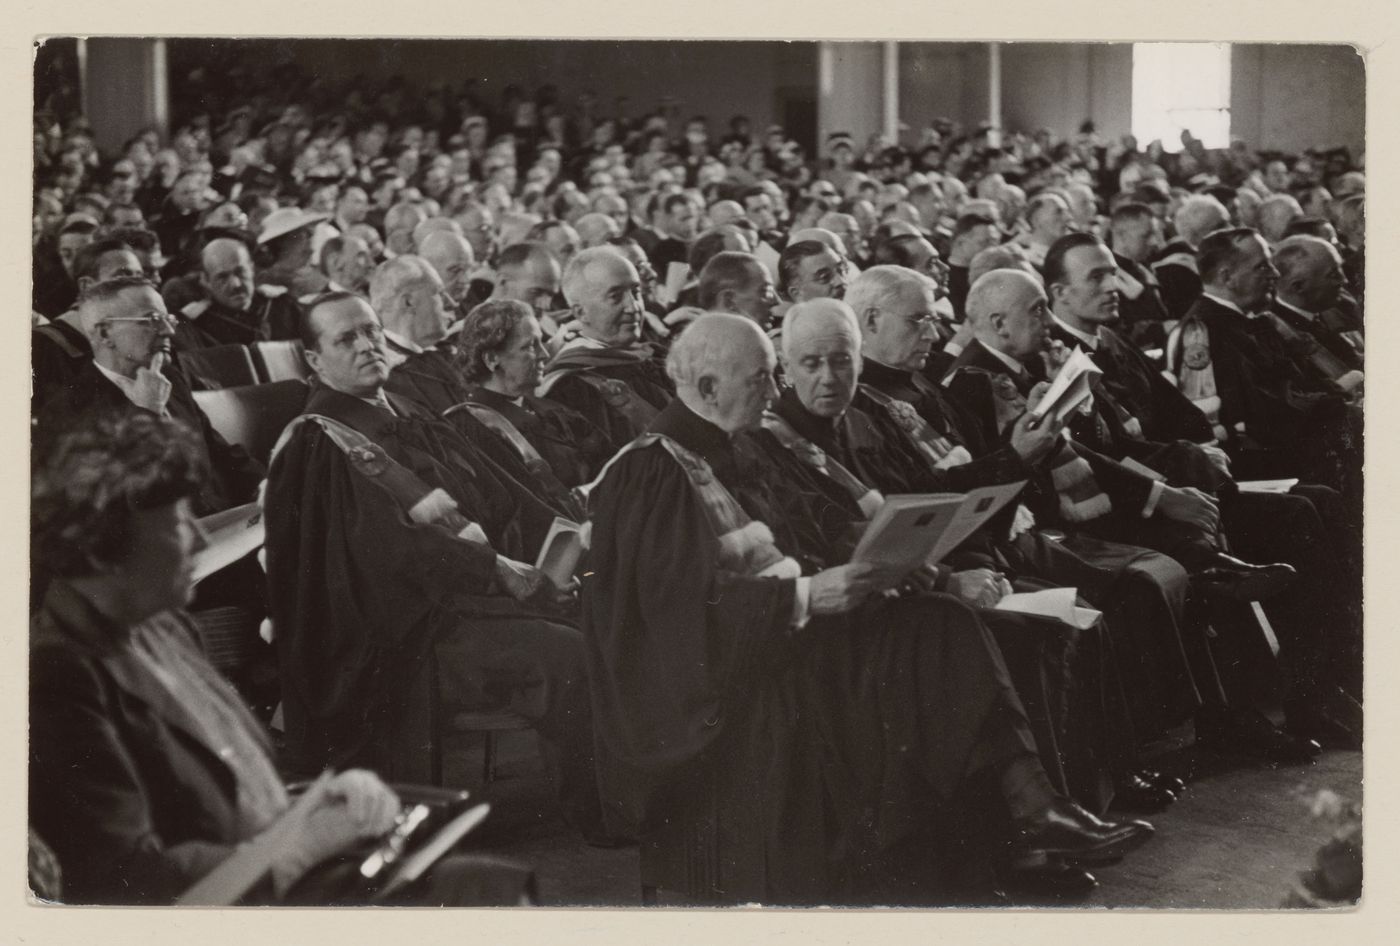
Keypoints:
pixel 138 329
pixel 1253 277
pixel 823 366
pixel 759 209
pixel 744 386
pixel 757 297
pixel 353 264
pixel 68 246
pixel 534 282
pixel 1022 325
pixel 1089 292
pixel 905 329
pixel 349 354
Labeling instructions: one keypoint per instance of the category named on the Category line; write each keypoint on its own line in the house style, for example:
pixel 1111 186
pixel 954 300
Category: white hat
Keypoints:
pixel 285 220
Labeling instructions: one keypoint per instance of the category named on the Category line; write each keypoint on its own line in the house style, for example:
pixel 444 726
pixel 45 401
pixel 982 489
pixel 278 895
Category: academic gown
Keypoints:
pixel 272 316
pixel 1142 312
pixel 1064 676
pixel 644 377
pixel 573 447
pixel 762 762
pixel 58 352
pixel 378 616
pixel 1164 659
pixel 1310 429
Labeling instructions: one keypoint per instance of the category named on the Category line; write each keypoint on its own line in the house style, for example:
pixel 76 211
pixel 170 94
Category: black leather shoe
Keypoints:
pixel 1248 732
pixel 1063 829
pixel 1160 780
pixel 1228 577
pixel 1052 879
pixel 1135 793
pixel 1332 719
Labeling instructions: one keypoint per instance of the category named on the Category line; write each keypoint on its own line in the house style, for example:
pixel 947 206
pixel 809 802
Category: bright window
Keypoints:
pixel 1180 86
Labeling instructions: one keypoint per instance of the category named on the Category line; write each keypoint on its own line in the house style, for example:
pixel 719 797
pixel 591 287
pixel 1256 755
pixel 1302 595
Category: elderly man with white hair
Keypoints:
pixel 596 229
pixel 1324 339
pixel 408 296
pixel 605 372
pixel 702 664
pixel 1175 266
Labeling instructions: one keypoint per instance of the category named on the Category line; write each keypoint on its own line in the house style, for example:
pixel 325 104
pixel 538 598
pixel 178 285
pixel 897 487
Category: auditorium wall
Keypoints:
pixel 1059 85
pixel 1289 97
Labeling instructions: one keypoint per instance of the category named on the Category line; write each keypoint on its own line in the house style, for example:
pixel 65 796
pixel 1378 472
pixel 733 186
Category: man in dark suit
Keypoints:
pixel 1137 235
pixel 1175 267
pixel 233 311
pixel 1322 341
pixel 131 334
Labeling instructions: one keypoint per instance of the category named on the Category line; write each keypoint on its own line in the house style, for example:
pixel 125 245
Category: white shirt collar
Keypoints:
pixel 381 401
pixel 1092 341
pixel 125 385
pixel 1303 312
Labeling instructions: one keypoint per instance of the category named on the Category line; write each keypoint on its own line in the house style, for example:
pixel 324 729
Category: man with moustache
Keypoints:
pixel 235 310
pixel 397 546
pixel 809 269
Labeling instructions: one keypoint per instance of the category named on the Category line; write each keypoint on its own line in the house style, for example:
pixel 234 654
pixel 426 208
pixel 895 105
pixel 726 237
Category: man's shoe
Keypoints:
pixel 1063 829
pixel 1160 780
pixel 1136 793
pixel 1248 732
pixel 1332 719
pixel 1051 879
pixel 1228 577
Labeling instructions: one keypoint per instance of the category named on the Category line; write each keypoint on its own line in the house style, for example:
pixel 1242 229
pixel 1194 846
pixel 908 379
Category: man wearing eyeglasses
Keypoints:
pixel 131 334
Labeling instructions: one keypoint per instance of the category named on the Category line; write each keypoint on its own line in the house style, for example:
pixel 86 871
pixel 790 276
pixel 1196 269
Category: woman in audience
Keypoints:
pixel 501 355
pixel 145 770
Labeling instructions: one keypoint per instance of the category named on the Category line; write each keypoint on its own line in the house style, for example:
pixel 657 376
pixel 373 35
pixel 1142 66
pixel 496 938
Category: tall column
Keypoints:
pixel 857 89
pixel 994 84
pixel 125 88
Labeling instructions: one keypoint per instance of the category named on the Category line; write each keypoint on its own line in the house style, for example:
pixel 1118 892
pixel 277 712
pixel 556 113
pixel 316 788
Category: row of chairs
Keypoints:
pixel 231 366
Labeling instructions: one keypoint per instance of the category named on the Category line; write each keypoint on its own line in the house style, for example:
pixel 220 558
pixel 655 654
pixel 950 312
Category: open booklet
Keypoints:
pixel 1055 603
pixel 561 550
pixel 921 528
pixel 230 534
pixel 1072 386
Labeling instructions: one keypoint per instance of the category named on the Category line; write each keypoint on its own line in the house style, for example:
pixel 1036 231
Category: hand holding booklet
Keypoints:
pixel 1072 386
pixel 921 528
pixel 561 550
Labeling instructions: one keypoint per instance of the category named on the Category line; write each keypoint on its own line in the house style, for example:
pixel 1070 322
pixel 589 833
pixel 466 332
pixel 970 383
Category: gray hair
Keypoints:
pixel 1198 215
pixel 576 272
pixel 880 287
pixel 708 344
pixel 391 277
pixel 804 312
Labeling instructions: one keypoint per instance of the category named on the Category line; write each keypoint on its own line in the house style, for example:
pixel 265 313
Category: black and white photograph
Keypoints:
pixel 673 473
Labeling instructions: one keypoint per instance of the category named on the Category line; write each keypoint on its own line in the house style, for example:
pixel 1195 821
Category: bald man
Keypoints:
pixel 605 372
pixel 724 212
pixel 414 576
pixel 451 257
pixel 701 664
pixel 408 297
pixel 433 225
pixel 596 229
pixel 234 310
pixel 1275 214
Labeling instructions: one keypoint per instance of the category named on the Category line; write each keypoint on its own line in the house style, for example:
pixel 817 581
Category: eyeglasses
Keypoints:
pixel 153 320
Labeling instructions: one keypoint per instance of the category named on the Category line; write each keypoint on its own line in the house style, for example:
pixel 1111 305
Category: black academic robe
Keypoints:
pixel 1064 676
pixel 369 604
pixel 1141 310
pixel 573 447
pixel 1322 330
pixel 645 378
pixel 1310 427
pixel 1175 269
pixel 425 377
pixel 764 762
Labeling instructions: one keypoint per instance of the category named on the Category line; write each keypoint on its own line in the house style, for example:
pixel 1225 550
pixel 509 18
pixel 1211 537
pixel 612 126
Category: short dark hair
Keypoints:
pixel 485 330
pixel 78 226
pixel 306 325
pixel 87 259
pixel 725 270
pixel 518 254
pixel 897 251
pixel 331 247
pixel 94 475
pixel 968 222
pixel 1131 210
pixel 791 259
pixel 1053 269
pixel 1304 226
pixel 1220 249
pixel 669 202
pixel 705 247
